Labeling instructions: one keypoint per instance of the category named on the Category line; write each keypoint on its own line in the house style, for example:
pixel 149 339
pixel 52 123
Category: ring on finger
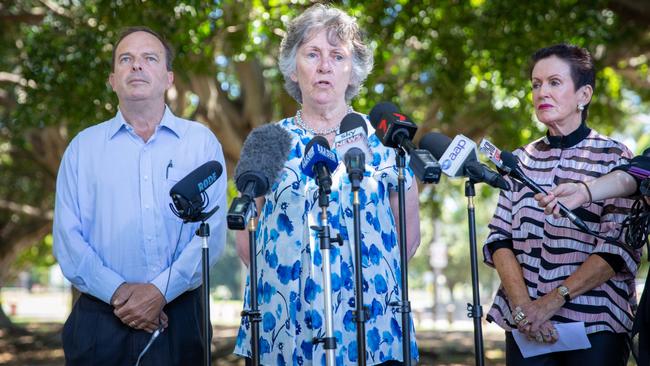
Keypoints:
pixel 539 337
pixel 519 316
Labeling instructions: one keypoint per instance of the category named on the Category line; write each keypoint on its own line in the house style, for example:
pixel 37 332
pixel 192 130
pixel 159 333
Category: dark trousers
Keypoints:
pixel 93 335
pixel 607 349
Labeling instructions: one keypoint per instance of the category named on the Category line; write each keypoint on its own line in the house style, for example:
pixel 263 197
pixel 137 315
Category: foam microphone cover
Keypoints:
pixel 510 160
pixel 352 121
pixel 436 143
pixel 379 110
pixel 197 181
pixel 262 158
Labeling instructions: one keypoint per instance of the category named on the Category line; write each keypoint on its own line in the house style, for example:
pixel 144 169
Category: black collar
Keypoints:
pixel 570 140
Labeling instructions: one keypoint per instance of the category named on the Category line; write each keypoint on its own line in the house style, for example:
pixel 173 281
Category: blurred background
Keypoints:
pixel 455 66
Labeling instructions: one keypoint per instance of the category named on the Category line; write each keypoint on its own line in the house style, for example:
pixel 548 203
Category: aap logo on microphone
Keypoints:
pixel 446 164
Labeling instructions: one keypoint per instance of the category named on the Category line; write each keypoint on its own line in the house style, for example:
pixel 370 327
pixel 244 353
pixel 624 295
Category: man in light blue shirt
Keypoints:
pixel 115 235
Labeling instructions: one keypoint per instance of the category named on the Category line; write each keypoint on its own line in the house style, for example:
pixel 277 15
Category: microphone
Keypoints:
pixel 512 163
pixel 318 162
pixel 355 165
pixel 262 158
pixel 353 132
pixel 458 158
pixel 493 153
pixel 397 130
pixel 188 195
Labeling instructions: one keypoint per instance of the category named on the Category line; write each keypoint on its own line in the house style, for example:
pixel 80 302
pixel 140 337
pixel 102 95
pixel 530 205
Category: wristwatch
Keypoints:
pixel 564 292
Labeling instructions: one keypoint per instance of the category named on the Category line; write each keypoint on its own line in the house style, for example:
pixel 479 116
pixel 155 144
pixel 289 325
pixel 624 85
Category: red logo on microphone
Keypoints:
pixel 382 126
pixel 400 116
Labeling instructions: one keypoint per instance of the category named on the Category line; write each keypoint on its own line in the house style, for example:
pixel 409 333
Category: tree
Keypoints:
pixel 456 66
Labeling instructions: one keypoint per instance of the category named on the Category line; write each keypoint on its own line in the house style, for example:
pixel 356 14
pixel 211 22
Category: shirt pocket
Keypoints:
pixel 173 176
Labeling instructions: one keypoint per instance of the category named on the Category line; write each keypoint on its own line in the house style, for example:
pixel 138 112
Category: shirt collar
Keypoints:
pixel 169 121
pixel 570 140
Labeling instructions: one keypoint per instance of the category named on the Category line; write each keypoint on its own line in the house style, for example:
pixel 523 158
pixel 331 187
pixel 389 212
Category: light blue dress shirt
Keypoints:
pixel 112 220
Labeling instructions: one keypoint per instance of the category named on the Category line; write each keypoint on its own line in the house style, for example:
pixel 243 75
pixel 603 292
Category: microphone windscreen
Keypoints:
pixel 509 160
pixel 317 151
pixel 436 143
pixel 352 121
pixel 265 151
pixel 379 110
pixel 320 140
pixel 198 180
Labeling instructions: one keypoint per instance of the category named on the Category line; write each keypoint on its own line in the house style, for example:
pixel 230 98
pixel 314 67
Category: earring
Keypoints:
pixel 580 107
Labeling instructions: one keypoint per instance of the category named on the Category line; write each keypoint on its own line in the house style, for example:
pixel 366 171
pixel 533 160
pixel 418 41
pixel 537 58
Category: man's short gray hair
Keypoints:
pixel 341 28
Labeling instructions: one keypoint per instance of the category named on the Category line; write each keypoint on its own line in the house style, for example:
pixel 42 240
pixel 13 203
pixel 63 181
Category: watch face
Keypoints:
pixel 564 291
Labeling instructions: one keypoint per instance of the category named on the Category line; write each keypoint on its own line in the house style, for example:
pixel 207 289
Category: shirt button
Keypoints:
pixel 146 177
pixel 146 206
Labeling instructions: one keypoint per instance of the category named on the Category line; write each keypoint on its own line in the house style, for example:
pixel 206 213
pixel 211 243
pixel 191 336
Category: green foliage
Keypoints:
pixel 455 66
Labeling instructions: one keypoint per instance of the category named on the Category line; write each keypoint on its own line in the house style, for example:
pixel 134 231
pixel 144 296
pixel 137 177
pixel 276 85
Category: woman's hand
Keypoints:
pixel 572 195
pixel 547 332
pixel 532 318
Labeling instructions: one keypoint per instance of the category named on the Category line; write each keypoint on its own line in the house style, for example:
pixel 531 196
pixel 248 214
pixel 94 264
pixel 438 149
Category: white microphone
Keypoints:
pixel 487 149
pixel 458 159
pixel 456 154
pixel 353 133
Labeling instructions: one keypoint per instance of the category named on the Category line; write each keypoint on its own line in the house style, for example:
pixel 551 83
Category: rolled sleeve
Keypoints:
pixel 500 227
pixel 614 212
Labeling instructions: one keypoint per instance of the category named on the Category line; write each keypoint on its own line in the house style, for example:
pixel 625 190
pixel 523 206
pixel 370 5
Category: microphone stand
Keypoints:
pixel 403 306
pixel 204 232
pixel 329 341
pixel 254 315
pixel 474 310
pixel 360 314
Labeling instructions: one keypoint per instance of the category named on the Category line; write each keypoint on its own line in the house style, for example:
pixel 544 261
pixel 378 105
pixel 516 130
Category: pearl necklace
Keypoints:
pixel 321 132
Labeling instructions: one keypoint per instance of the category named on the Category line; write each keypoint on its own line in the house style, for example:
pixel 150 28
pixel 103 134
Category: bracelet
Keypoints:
pixel 588 191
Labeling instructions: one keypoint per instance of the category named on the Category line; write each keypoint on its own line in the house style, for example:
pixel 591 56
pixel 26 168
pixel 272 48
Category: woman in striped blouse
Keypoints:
pixel 552 273
pixel 626 180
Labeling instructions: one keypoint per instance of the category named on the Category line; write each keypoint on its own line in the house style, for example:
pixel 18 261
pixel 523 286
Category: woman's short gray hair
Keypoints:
pixel 340 28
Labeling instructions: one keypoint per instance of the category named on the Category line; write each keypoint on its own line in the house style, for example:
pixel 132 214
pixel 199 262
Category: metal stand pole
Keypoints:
pixel 329 341
pixel 204 232
pixel 254 315
pixel 474 310
pixel 360 314
pixel 404 306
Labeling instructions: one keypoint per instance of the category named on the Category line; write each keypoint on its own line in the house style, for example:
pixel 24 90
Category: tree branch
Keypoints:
pixel 27 210
pixel 56 8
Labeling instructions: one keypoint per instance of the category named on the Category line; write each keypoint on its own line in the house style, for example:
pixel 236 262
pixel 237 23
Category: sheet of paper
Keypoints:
pixel 572 336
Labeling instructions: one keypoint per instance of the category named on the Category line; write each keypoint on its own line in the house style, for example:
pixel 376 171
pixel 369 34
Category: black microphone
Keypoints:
pixel 355 165
pixel 395 129
pixel 319 161
pixel 188 195
pixel 262 158
pixel 512 163
pixel 458 158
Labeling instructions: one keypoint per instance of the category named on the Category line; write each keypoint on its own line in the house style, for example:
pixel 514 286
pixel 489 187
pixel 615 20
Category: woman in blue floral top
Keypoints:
pixel 324 61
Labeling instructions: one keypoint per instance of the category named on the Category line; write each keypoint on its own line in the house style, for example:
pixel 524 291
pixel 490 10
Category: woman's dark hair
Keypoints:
pixel 580 63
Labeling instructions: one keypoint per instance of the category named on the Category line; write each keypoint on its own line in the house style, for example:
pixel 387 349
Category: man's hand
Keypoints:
pixel 140 306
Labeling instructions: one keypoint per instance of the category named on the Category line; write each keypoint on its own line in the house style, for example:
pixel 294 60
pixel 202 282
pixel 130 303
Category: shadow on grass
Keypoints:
pixel 39 344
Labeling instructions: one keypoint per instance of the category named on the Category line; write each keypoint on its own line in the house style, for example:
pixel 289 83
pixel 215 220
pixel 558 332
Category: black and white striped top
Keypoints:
pixel 549 250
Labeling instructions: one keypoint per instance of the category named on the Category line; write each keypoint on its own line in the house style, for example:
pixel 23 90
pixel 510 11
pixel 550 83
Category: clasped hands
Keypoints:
pixel 139 305
pixel 533 319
